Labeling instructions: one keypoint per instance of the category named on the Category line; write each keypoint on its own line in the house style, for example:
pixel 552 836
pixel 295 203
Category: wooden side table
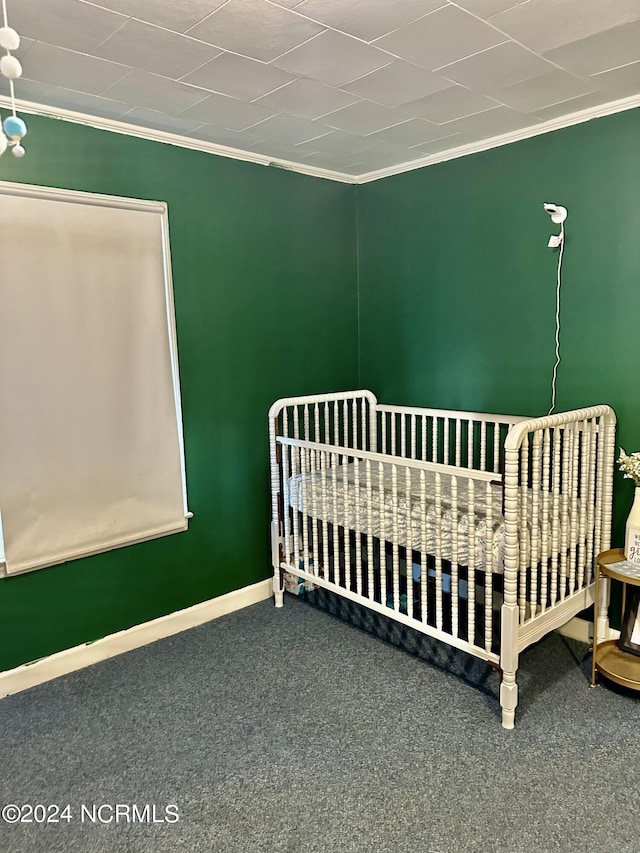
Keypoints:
pixel 608 659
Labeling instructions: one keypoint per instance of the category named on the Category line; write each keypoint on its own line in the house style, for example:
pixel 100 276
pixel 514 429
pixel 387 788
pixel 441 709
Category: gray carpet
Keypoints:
pixel 294 730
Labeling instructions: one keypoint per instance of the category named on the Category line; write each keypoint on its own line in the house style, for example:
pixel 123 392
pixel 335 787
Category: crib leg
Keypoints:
pixel 509 665
pixel 278 588
pixel 278 574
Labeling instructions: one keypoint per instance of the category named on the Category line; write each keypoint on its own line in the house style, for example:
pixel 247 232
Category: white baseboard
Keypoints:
pixel 70 660
pixel 582 630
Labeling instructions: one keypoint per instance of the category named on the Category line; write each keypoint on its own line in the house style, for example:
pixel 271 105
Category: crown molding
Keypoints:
pixel 506 138
pixel 122 127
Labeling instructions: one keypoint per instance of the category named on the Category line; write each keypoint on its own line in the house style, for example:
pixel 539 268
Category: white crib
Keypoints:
pixel 479 530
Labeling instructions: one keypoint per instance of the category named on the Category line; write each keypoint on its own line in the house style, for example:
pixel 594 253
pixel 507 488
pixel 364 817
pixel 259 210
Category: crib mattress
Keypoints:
pixel 340 496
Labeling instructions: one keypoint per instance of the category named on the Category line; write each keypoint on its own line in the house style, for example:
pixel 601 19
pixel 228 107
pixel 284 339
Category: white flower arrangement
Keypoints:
pixel 630 466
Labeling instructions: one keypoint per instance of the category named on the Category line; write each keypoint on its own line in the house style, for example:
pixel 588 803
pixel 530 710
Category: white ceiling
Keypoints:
pixel 351 86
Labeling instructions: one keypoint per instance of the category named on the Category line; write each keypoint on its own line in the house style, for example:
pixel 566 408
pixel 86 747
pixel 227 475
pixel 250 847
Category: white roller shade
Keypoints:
pixel 91 448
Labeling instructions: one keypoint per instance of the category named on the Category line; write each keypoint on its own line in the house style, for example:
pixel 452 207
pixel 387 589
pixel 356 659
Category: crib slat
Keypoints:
pixel 573 512
pixel 445 446
pixel 599 486
pixel 358 527
pixel 591 552
pixel 346 523
pixel 424 438
pixel 555 521
pixel 496 448
pixel 403 435
pixel 564 510
pixel 458 433
pixel 524 533
pixel 413 436
pixel 546 492
pixel 483 445
pixel 335 526
pixel 488 571
pixel 395 549
pixel 393 449
pixel 535 518
pixel 424 571
pixel 383 534
pixel 313 511
pixel 438 522
pixel 305 411
pixel 471 571
pixel 297 485
pixel 324 543
pixel 434 438
pixel 304 480
pixel 409 542
pixel 585 456
pixel 455 614
pixel 370 534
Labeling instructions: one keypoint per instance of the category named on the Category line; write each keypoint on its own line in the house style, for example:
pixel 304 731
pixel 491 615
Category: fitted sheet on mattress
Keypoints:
pixel 462 533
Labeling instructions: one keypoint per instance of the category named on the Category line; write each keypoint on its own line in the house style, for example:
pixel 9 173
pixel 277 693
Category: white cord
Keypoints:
pixel 555 367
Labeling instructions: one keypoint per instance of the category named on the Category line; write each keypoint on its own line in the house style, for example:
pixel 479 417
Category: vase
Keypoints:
pixel 632 536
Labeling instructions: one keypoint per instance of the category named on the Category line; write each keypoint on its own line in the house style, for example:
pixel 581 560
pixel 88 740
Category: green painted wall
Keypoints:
pixel 264 269
pixel 457 285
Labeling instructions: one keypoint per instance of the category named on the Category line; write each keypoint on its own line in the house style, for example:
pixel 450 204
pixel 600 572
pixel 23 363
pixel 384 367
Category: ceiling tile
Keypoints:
pixel 67 23
pixel 490 123
pixel 279 150
pixel 224 136
pixel 333 58
pixel 160 121
pixel 153 49
pixel 84 103
pixel 546 24
pixel 497 67
pixel 440 38
pixel 397 83
pixel 307 99
pixel 30 90
pixel 445 144
pixel 175 16
pixel 60 67
pixel 486 8
pixel 412 132
pixel 239 77
pixel 362 118
pixel 227 112
pixel 255 28
pixel 325 161
pixel 289 130
pixel 339 143
pixel 367 19
pixel 385 155
pixel 575 105
pixel 602 52
pixel 448 105
pixel 139 89
pixel 544 91
pixel 621 81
